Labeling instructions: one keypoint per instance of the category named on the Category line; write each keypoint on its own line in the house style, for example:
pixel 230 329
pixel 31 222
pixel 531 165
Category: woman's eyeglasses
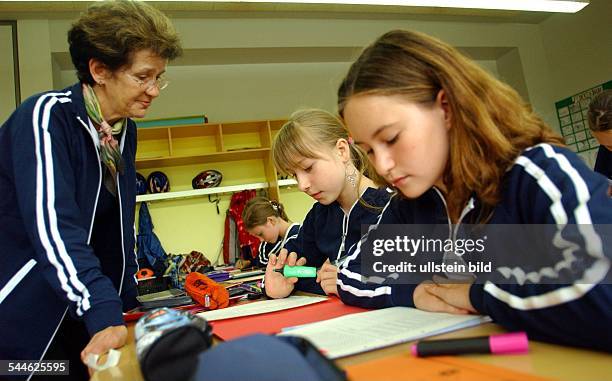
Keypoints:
pixel 160 82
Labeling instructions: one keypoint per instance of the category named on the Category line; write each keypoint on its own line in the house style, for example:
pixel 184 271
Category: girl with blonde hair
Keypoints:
pixel 314 147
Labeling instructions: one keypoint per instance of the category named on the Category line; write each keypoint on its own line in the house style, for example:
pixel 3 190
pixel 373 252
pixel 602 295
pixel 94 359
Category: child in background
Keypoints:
pixel 313 146
pixel 267 220
pixel 462 145
pixel 600 114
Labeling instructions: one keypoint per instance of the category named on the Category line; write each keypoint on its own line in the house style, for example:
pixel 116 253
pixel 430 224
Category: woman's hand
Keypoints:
pixel 327 276
pixel 428 301
pixel 276 285
pixel 106 339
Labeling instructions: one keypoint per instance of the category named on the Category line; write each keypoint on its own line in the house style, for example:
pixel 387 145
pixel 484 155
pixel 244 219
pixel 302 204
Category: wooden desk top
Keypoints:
pixel 554 361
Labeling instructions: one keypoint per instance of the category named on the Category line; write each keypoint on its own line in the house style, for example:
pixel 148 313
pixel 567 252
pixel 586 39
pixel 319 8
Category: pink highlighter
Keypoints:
pixel 505 343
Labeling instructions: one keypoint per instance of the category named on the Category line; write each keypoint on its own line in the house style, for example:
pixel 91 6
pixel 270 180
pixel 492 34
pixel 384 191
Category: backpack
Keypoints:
pixel 237 242
pixel 151 254
pixel 168 343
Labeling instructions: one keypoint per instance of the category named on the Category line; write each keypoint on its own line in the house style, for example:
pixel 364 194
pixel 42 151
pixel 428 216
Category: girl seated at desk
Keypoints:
pixel 459 144
pixel 313 146
pixel 267 220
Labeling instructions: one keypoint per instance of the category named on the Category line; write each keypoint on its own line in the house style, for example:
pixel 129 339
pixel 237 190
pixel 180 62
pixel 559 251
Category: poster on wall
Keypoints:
pixel 573 120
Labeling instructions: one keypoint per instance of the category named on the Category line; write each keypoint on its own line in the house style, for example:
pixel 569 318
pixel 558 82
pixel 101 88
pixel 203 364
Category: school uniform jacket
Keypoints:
pixel 267 248
pixel 50 184
pixel 603 163
pixel 327 232
pixel 545 185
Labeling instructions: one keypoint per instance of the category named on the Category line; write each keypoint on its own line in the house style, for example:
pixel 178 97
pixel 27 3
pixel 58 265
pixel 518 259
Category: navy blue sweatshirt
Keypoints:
pixel 546 185
pixel 327 232
pixel 66 244
pixel 267 248
pixel 603 163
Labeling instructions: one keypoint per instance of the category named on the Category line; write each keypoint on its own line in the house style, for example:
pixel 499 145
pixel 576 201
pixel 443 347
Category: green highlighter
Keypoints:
pixel 298 271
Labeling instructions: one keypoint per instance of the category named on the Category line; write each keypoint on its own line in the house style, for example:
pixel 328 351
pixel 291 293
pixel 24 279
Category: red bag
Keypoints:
pixel 205 291
pixel 249 244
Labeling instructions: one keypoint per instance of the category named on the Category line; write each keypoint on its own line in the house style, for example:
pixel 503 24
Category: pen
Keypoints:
pixel 298 271
pixel 504 343
pixel 250 288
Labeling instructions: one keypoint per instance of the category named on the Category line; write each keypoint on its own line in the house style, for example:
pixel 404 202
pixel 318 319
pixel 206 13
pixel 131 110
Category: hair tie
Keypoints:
pixel 350 140
pixel 274 205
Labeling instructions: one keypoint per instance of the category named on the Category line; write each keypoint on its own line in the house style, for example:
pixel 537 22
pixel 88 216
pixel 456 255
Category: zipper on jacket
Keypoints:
pixel 123 257
pixel 93 217
pixel 345 225
pixel 452 231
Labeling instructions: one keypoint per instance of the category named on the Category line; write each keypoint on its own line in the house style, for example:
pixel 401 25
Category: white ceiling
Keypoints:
pixel 193 9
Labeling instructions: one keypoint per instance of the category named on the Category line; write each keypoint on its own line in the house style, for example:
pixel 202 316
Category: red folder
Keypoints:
pixel 274 322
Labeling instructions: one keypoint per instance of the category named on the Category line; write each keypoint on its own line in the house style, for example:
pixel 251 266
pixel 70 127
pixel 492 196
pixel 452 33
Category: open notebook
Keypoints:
pixel 366 331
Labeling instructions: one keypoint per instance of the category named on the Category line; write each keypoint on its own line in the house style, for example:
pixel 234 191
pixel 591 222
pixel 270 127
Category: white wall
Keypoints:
pixel 244 92
pixel 35 67
pixel 7 73
pixel 255 91
pixel 250 91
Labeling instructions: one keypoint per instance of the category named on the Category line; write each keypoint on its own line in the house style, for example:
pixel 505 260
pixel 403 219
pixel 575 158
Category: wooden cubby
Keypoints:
pixel 186 149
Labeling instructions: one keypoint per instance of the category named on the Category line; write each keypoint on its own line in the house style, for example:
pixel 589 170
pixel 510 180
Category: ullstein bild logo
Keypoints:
pixel 431 267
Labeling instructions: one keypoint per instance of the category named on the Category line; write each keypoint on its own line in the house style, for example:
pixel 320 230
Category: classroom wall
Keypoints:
pixel 270 90
pixel 35 67
pixel 7 73
pixel 578 50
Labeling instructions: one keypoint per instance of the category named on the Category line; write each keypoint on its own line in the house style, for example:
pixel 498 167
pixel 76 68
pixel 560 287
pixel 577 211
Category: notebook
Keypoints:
pixel 261 307
pixel 366 331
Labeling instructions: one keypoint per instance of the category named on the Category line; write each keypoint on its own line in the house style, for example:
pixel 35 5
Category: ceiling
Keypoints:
pixel 193 9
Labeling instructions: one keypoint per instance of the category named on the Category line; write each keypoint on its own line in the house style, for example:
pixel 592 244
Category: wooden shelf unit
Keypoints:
pixel 192 146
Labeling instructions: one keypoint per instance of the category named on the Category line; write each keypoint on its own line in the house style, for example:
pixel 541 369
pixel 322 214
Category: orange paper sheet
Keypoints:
pixel 444 368
pixel 274 322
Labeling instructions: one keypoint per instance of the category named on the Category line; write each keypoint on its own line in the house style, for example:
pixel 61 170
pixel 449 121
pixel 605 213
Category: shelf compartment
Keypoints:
pixel 169 161
pixel 245 135
pixel 196 140
pixel 153 143
pixel 277 124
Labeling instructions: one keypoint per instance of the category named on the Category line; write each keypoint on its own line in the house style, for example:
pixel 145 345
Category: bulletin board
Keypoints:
pixel 573 120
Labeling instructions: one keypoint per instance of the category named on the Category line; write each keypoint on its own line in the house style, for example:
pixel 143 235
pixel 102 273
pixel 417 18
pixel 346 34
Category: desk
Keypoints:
pixel 558 362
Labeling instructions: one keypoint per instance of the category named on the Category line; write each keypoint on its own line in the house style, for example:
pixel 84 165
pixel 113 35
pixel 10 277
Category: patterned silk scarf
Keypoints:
pixel 109 147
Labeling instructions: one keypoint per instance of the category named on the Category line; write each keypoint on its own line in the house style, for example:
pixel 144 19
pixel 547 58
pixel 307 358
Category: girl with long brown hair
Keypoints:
pixel 459 144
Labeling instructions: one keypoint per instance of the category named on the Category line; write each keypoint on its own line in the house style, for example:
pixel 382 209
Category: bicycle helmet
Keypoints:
pixel 207 179
pixel 141 184
pixel 158 182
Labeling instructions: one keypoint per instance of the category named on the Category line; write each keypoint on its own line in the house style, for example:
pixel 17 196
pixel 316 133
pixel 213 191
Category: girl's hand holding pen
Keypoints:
pixel 276 285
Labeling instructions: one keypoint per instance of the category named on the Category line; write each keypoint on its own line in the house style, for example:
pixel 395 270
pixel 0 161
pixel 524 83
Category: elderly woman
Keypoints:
pixel 67 180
